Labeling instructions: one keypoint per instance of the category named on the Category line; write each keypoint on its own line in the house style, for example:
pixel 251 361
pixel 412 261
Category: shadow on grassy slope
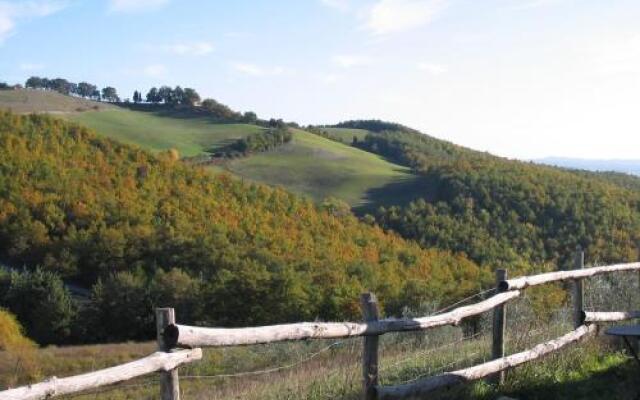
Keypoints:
pixel 621 382
pixel 173 111
pixel 399 193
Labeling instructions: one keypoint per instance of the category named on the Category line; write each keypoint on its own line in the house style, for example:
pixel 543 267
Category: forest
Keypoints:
pixel 91 229
pixel 502 212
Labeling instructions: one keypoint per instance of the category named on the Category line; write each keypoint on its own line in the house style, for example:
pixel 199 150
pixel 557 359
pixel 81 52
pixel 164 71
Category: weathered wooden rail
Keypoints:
pixel 159 361
pixel 174 338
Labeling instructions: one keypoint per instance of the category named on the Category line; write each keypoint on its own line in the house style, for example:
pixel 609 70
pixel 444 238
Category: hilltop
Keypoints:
pixel 40 101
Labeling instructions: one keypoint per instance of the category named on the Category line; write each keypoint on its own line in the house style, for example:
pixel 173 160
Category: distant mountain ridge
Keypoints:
pixel 624 166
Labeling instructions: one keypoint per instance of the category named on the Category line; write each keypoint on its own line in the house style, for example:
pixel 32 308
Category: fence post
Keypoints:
pixel 499 327
pixel 369 305
pixel 169 381
pixel 578 290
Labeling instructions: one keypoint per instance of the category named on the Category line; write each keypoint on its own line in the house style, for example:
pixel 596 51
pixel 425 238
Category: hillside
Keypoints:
pixel 497 211
pixel 38 101
pixel 506 212
pixel 159 130
pixel 310 165
pixel 94 210
pixel 320 168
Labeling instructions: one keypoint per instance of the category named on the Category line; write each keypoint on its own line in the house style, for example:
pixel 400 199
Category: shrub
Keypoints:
pixel 120 309
pixel 11 335
pixel 42 304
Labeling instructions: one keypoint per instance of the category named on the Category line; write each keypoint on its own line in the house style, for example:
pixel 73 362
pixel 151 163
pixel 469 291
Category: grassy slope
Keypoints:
pixel 346 134
pixel 320 167
pixel 311 165
pixel 28 101
pixel 154 131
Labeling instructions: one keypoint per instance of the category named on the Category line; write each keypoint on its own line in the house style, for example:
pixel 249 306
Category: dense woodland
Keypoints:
pixel 140 230
pixel 502 212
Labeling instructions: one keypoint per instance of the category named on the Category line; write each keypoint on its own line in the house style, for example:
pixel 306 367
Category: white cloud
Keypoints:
pixel 350 60
pixel 615 54
pixel 13 12
pixel 433 69
pixel 135 6
pixel 189 49
pixel 257 70
pixel 392 16
pixel 529 4
pixel 31 67
pixel 340 5
pixel 329 78
pixel 155 70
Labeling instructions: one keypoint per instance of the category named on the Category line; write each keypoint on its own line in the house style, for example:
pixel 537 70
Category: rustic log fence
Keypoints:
pixel 180 344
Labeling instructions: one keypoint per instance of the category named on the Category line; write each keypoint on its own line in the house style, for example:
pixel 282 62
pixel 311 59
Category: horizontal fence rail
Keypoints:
pixel 614 316
pixel 53 387
pixel 424 386
pixel 534 280
pixel 191 336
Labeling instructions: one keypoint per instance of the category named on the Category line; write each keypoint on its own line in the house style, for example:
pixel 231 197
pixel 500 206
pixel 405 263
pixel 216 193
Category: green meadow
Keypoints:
pixel 156 131
pixel 322 168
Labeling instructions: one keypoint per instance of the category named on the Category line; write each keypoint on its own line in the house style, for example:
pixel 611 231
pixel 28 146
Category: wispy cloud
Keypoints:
pixel 31 67
pixel 433 69
pixel 392 16
pixel 155 70
pixel 200 48
pixel 11 13
pixel 529 4
pixel 257 70
pixel 350 60
pixel 329 78
pixel 135 6
pixel 340 5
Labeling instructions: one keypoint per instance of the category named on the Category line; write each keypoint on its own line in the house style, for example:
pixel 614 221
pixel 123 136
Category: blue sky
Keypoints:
pixel 518 78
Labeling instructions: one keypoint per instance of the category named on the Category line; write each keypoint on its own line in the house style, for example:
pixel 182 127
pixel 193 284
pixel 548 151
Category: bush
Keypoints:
pixel 18 351
pixel 42 304
pixel 178 290
pixel 11 335
pixel 120 309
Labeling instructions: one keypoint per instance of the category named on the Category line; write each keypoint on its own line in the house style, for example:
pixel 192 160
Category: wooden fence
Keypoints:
pixel 180 344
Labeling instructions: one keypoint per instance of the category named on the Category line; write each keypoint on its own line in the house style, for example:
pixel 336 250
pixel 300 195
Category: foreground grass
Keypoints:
pixel 313 370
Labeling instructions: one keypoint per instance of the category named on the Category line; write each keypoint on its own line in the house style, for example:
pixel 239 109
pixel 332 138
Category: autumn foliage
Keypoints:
pixel 91 209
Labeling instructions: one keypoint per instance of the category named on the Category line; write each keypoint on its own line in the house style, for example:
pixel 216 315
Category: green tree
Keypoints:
pixel 250 117
pixel 110 94
pixel 86 89
pixel 120 309
pixel 153 96
pixel 35 82
pixel 165 94
pixel 178 290
pixel 191 97
pixel 42 304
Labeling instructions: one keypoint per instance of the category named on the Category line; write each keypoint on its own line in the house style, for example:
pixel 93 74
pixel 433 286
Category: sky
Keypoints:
pixel 517 78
